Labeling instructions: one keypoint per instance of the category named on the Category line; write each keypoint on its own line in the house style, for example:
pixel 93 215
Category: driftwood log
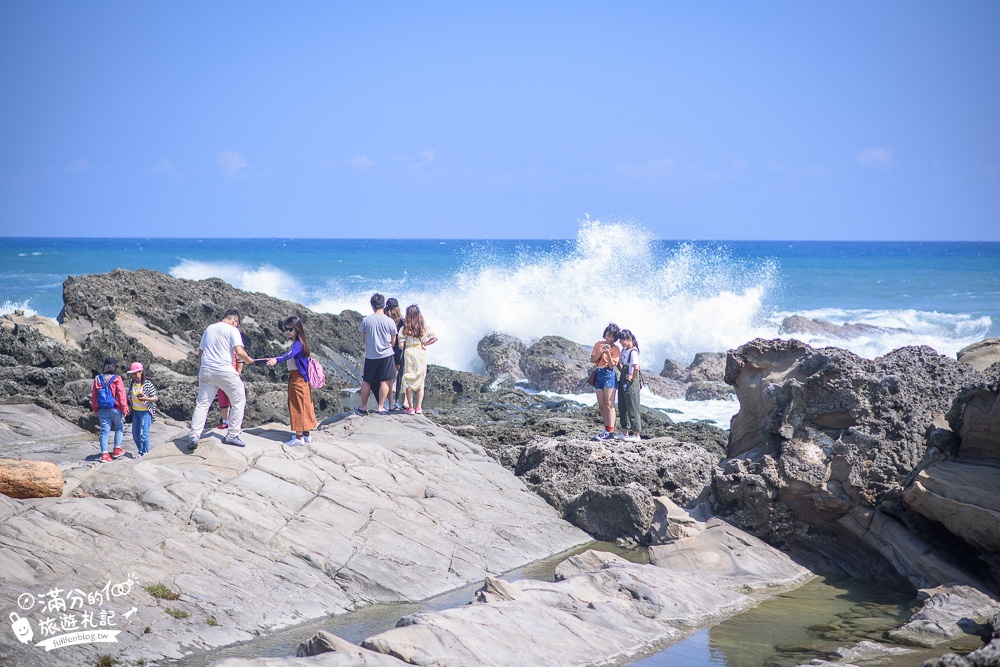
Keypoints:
pixel 30 479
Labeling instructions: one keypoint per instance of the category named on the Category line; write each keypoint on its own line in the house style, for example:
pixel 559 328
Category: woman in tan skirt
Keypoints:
pixel 300 406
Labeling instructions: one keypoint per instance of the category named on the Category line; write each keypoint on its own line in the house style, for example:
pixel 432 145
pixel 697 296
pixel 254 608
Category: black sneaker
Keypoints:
pixel 192 443
pixel 235 442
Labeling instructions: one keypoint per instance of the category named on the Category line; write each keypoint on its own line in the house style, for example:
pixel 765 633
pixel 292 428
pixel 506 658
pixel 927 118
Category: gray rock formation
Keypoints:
pixel 981 355
pixel 608 488
pixel 956 487
pixel 707 367
pixel 556 364
pixel 709 391
pixel 987 656
pixel 376 509
pixel 444 383
pixel 826 430
pixel 701 380
pixel 797 324
pixel 832 453
pixel 720 554
pixel 157 319
pixel 501 355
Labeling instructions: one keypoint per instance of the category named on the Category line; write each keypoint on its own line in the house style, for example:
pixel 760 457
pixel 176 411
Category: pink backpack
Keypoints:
pixel 316 377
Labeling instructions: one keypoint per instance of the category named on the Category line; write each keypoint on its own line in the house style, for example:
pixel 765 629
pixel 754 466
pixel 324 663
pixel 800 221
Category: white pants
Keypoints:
pixel 209 384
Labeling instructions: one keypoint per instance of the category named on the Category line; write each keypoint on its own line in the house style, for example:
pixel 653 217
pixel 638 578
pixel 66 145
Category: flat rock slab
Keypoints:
pixel 25 424
pixel 375 509
pixel 602 610
pixel 607 616
pixel 727 556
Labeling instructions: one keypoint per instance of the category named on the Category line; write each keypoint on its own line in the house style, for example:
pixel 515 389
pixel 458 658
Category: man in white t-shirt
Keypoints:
pixel 219 343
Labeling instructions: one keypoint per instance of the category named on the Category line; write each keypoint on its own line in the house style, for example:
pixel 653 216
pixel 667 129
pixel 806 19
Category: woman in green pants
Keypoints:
pixel 628 394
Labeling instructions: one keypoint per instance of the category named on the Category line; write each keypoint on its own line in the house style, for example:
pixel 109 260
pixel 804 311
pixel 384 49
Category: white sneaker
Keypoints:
pixel 633 438
pixel 296 441
pixel 308 437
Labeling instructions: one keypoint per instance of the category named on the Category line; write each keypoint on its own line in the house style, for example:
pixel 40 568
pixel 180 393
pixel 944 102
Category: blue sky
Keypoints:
pixel 724 120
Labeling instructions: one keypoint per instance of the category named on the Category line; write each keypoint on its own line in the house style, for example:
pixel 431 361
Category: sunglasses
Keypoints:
pixel 289 329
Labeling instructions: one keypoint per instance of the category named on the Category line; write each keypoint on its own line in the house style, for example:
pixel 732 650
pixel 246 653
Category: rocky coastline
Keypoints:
pixel 885 468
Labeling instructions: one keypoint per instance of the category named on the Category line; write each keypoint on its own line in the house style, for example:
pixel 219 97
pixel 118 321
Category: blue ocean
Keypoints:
pixel 678 297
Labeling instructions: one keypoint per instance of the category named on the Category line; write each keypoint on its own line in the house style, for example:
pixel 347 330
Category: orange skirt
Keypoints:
pixel 300 403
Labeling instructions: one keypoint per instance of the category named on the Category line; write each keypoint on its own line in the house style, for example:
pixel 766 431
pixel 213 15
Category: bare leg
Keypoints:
pixel 602 406
pixel 383 393
pixel 420 399
pixel 611 408
pixel 366 389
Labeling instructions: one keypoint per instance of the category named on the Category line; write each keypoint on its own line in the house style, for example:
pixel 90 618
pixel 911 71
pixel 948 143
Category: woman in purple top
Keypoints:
pixel 300 405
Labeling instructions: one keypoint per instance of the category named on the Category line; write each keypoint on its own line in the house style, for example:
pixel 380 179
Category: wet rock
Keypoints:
pixel 707 367
pixel 501 354
pixel 558 365
pixel 663 387
pixel 948 612
pixel 673 371
pixel 445 384
pixel 720 554
pixel 797 324
pixel 987 656
pixel 709 391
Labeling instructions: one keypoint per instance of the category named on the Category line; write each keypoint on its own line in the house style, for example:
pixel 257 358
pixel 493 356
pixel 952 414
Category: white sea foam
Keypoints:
pixel 719 413
pixel 945 332
pixel 8 307
pixel 687 301
pixel 265 279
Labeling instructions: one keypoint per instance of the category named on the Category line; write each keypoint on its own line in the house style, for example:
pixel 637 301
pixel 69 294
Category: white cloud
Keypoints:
pixel 231 162
pixel 880 158
pixel 361 162
pixel 80 166
pixel 161 168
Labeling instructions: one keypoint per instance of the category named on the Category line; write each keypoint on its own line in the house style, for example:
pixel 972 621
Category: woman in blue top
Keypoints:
pixel 300 406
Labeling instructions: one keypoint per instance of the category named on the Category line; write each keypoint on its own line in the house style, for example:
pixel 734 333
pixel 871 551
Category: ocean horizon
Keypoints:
pixel 678 297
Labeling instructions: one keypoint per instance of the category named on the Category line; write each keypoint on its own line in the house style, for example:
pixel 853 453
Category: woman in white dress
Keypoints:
pixel 416 338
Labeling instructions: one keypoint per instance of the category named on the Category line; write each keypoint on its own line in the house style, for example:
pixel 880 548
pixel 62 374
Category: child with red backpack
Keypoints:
pixel 109 402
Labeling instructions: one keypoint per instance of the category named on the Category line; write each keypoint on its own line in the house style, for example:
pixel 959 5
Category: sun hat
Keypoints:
pixel 135 367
